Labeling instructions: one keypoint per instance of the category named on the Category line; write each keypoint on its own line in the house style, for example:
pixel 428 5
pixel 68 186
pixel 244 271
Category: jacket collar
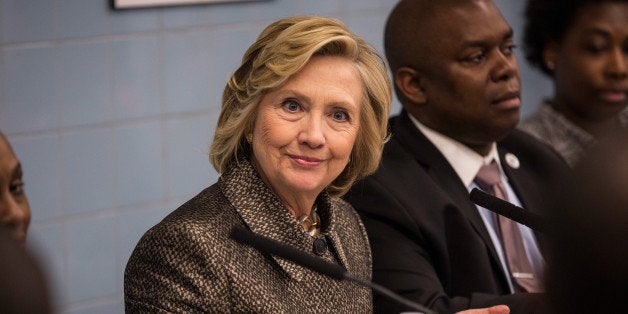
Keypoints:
pixel 441 172
pixel 263 214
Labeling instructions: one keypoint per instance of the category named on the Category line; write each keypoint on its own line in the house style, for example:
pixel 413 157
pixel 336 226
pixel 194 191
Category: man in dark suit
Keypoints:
pixel 458 81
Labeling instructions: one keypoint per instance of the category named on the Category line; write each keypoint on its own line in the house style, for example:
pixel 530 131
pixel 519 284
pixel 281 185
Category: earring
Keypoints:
pixel 550 65
pixel 249 137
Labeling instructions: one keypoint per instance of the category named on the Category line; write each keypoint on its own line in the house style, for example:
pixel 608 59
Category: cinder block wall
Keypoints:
pixel 112 112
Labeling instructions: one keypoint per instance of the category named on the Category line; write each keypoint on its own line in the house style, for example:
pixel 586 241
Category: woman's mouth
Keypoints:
pixel 307 162
pixel 613 96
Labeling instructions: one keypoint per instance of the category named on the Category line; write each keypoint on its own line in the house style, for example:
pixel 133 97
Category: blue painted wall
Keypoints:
pixel 112 113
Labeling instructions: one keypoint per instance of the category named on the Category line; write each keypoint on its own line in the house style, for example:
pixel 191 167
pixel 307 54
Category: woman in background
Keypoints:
pixel 303 117
pixel 583 46
pixel 15 213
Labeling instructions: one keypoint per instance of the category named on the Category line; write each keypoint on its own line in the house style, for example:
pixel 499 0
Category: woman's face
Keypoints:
pixel 591 63
pixel 15 214
pixel 305 129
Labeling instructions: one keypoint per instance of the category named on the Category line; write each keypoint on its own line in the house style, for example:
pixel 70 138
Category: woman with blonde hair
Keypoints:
pixel 302 118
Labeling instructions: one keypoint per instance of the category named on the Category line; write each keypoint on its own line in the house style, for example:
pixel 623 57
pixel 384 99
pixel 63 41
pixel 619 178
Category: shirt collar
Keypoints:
pixel 465 161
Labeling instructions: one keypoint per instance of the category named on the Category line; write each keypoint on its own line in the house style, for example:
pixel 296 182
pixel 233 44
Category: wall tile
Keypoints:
pixel 370 27
pixel 319 7
pixel 224 13
pixel 136 78
pixel 29 90
pixel 17 18
pixel 364 4
pixel 189 15
pixel 186 70
pixel 138 162
pixel 91 258
pixel 269 10
pixel 126 21
pixel 80 18
pixel 41 162
pixel 84 89
pixel 88 171
pixel 188 167
pixel 227 13
pixel 116 306
pixel 227 58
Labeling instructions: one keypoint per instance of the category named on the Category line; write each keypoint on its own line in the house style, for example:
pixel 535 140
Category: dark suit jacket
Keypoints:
pixel 428 240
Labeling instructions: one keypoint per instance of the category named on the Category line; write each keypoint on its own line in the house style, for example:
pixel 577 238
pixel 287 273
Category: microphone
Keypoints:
pixel 319 265
pixel 508 210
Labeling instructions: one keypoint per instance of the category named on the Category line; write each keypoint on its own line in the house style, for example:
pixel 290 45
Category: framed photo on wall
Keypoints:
pixel 132 4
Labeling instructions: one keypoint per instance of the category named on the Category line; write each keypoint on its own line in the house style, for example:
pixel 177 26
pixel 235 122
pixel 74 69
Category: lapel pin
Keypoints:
pixel 512 161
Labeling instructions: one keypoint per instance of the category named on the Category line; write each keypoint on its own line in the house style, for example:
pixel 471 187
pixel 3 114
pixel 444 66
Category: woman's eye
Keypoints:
pixel 595 49
pixel 291 105
pixel 340 116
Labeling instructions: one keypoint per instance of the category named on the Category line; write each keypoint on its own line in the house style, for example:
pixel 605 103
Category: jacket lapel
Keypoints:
pixel 265 215
pixel 443 175
pixel 527 189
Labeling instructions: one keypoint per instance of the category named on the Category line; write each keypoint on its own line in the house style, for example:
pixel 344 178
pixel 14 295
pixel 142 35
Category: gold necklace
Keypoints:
pixel 313 220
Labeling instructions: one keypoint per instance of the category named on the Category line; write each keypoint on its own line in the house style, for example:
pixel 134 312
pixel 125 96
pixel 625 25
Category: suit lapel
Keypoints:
pixel 524 186
pixel 443 175
pixel 527 188
pixel 263 213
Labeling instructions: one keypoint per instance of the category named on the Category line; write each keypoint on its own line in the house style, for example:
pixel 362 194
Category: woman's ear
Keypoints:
pixel 408 82
pixel 550 53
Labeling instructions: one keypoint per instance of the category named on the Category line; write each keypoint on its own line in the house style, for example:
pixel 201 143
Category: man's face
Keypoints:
pixel 471 78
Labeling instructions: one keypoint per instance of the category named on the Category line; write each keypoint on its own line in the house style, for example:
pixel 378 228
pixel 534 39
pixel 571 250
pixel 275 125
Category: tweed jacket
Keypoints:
pixel 188 263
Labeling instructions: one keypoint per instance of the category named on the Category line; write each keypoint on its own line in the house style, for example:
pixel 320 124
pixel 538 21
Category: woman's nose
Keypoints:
pixel 312 132
pixel 617 67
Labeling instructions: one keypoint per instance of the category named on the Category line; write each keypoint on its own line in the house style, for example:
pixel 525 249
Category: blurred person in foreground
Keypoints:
pixel 302 118
pixel 587 270
pixel 457 79
pixel 15 213
pixel 23 286
pixel 583 46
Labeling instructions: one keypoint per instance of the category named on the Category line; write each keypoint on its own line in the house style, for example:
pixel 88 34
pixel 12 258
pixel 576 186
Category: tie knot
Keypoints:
pixel 488 176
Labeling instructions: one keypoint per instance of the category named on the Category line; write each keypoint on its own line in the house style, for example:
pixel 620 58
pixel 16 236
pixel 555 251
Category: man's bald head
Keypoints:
pixel 410 30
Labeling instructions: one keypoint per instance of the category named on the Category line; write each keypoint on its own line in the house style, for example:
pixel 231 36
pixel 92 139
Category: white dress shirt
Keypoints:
pixel 466 162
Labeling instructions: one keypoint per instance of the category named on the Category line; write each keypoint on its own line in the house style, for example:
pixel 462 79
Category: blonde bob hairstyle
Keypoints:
pixel 282 50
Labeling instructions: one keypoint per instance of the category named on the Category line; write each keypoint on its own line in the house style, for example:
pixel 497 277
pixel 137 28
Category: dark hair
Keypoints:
pixel 548 21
